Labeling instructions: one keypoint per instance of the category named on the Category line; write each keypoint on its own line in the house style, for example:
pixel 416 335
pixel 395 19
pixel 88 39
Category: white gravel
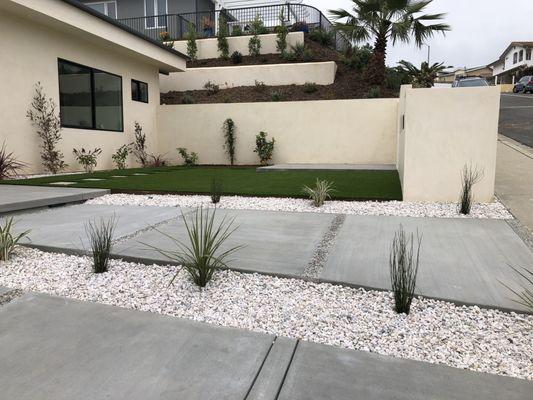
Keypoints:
pixel 437 332
pixel 494 210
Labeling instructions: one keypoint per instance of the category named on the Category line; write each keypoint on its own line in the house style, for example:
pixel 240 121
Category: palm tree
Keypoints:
pixel 423 77
pixel 384 20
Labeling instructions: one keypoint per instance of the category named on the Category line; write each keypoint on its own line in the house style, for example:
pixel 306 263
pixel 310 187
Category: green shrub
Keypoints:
pixel 320 193
pixel 120 156
pixel 310 87
pixel 229 130
pixel 254 44
pixel 88 159
pixel 276 96
pixel 470 176
pixel 8 240
pixel 299 52
pixel 100 236
pixel 264 148
pixel 188 99
pixel 188 159
pixel 192 47
pixel 395 78
pixel 357 58
pixel 236 57
pixel 374 93
pixel 222 37
pixel 236 31
pixel 322 36
pixel 139 145
pixel 201 255
pixel 211 88
pixel 281 31
pixel 216 190
pixel 9 165
pixel 403 264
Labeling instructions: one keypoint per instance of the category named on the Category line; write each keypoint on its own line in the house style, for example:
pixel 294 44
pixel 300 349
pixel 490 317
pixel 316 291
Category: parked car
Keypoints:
pixel 524 85
pixel 470 81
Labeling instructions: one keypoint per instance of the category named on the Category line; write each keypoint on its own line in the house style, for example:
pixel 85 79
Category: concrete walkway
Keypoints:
pixel 514 179
pixel 21 197
pixel 54 348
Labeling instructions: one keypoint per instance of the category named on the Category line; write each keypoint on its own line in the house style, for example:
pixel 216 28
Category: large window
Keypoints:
pixel 528 54
pixel 139 91
pixel 155 7
pixel 108 8
pixel 89 98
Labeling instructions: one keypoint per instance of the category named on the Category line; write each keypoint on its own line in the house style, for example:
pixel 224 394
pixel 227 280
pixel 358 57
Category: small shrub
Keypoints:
pixel 236 31
pixel 42 114
pixel 259 86
pixel 156 161
pixel 188 159
pixel 211 88
pixel 88 159
pixel 222 37
pixel 470 176
pixel 403 263
pixel 281 31
pixel 9 165
pixel 139 145
pixel 264 148
pixel 310 87
pixel 121 155
pixel 8 240
pixel 236 57
pixel 357 58
pixel 524 295
pixel 216 190
pixel 374 93
pixel 100 236
pixel 320 193
pixel 192 47
pixel 254 44
pixel 276 96
pixel 322 37
pixel 187 99
pixel 229 130
pixel 201 256
pixel 299 52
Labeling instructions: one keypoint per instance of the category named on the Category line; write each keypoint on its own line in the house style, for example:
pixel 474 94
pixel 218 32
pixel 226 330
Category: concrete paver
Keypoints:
pixel 53 348
pixel 324 372
pixel 281 243
pixel 20 197
pixel 462 260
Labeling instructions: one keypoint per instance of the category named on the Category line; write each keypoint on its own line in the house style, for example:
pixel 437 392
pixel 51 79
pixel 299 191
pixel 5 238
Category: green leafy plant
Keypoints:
pixel 9 165
pixel 254 44
pixel 192 47
pixel 470 176
pixel 211 88
pixel 187 99
pixel 236 31
pixel 322 36
pixel 236 57
pixel 8 240
pixel 357 58
pixel 299 52
pixel 42 114
pixel 524 295
pixel 201 255
pixel 264 148
pixel 374 93
pixel 310 87
pixel 259 86
pixel 100 235
pixel 281 33
pixel 121 155
pixel 188 159
pixel 156 161
pixel 423 77
pixel 229 130
pixel 216 190
pixel 88 159
pixel 222 37
pixel 139 145
pixel 276 96
pixel 320 193
pixel 403 264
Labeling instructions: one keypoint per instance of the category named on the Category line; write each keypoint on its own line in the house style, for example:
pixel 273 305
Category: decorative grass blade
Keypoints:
pixel 100 236
pixel 8 240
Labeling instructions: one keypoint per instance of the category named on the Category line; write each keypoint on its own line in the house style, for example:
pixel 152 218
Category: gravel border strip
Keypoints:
pixel 10 296
pixel 314 268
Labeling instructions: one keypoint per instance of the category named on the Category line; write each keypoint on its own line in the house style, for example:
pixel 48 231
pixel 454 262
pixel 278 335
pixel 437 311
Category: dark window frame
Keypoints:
pixel 93 106
pixel 138 82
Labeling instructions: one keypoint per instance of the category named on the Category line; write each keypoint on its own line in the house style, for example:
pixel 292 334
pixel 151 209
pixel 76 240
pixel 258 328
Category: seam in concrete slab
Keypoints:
pixel 260 369
pixel 507 142
pixel 287 370
pixel 522 231
pixel 316 265
pixel 10 296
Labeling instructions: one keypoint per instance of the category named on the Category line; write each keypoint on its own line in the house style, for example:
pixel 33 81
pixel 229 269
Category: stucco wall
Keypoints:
pixel 322 73
pixel 328 131
pixel 444 130
pixel 208 48
pixel 33 57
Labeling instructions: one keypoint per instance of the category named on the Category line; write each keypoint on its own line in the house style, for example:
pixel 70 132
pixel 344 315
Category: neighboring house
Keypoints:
pixel 102 76
pixel 516 57
pixel 483 71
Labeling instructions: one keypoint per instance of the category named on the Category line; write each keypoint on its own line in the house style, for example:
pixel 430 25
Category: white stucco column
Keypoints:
pixel 513 79
pixel 496 80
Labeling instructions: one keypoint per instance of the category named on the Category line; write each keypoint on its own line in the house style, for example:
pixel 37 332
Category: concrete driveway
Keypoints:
pixel 516 117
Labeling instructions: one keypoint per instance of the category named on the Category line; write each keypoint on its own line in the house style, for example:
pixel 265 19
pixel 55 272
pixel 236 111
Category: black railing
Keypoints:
pixel 298 17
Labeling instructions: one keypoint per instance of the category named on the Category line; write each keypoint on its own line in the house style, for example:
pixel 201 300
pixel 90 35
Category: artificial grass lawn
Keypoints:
pixel 354 185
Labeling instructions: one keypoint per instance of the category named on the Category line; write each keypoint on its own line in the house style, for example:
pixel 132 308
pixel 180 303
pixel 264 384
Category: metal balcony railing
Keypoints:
pixel 175 26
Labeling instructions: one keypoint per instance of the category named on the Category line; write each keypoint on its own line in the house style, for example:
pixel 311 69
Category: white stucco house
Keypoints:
pixel 516 57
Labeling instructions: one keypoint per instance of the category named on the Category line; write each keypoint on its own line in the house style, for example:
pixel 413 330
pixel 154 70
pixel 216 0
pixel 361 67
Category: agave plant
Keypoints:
pixel 320 193
pixel 524 296
pixel 202 255
pixel 8 240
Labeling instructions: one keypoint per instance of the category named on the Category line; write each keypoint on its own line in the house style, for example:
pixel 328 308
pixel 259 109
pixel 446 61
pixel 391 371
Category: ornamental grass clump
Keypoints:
pixel 470 176
pixel 100 234
pixel 320 193
pixel 403 263
pixel 524 295
pixel 8 240
pixel 9 165
pixel 216 190
pixel 201 254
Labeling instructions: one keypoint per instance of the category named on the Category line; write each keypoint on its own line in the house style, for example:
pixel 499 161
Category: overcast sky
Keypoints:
pixel 481 30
